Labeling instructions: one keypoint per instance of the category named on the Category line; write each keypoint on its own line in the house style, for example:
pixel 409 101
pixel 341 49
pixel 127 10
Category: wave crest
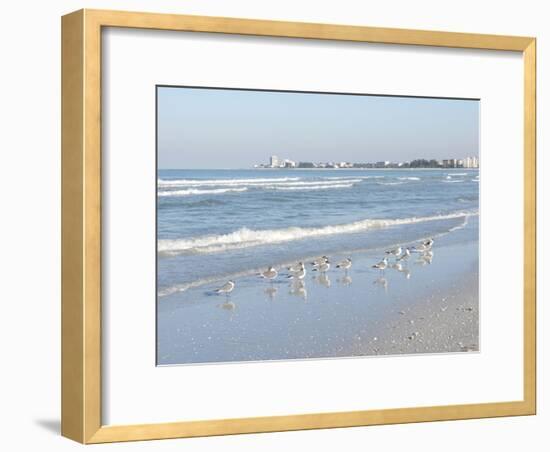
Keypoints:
pixel 245 238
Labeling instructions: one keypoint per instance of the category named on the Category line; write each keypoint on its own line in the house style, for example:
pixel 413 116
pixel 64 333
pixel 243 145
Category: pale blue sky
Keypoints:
pixel 216 128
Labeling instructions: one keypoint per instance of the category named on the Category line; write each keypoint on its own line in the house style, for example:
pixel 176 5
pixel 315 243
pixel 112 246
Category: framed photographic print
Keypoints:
pixel 277 226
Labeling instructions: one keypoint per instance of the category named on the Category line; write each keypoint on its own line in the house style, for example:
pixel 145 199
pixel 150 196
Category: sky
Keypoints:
pixel 220 128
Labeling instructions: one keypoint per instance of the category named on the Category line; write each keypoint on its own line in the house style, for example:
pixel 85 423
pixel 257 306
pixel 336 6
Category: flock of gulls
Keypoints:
pixel 298 271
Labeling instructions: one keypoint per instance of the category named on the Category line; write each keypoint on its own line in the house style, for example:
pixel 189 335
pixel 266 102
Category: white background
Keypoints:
pixel 29 232
pixel 134 62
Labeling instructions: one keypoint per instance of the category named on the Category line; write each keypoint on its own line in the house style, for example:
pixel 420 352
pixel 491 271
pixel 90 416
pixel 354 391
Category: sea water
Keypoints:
pixel 215 225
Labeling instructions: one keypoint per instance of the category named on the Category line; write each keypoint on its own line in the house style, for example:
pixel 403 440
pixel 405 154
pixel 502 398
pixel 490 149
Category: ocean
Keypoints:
pixel 220 224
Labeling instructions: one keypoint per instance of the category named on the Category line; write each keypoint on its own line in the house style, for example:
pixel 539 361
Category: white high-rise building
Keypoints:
pixel 274 161
pixel 471 162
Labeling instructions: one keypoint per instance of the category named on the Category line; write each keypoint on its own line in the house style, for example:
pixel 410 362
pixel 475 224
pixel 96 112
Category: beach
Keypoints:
pixel 423 305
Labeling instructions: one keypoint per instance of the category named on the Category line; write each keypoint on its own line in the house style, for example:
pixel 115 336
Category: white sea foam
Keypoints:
pixel 408 178
pixel 307 187
pixel 453 181
pixel 456 174
pixel 262 183
pixel 195 191
pixel 197 182
pixel 245 238
pixel 390 183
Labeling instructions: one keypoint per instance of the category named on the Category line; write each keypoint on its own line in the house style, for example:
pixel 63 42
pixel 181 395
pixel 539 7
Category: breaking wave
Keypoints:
pixel 195 191
pixel 245 238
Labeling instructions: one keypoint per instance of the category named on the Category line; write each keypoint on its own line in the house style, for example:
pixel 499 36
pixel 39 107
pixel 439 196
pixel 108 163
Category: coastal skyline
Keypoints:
pixel 204 128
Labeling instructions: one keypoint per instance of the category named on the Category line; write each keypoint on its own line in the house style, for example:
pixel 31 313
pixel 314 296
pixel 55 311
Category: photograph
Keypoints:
pixel 296 225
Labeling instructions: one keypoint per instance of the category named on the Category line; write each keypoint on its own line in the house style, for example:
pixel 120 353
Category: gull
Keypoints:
pixel 300 274
pixel 395 252
pixel 382 265
pixel 319 261
pixel 428 243
pixel 297 268
pixel 227 288
pixel 270 273
pixel 324 267
pixel 345 264
pixel 406 254
pixel 420 248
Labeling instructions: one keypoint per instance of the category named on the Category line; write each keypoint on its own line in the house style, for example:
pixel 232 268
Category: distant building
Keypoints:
pixel 471 162
pixel 274 161
pixel 381 164
pixel 289 164
pixel 450 163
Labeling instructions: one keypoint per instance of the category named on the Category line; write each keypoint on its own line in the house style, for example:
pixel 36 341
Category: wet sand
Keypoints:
pixel 423 307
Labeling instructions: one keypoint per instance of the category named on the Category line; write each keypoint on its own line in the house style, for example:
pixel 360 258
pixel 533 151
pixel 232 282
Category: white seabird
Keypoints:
pixel 270 273
pixel 406 254
pixel 382 265
pixel 395 252
pixel 323 268
pixel 227 288
pixel 345 264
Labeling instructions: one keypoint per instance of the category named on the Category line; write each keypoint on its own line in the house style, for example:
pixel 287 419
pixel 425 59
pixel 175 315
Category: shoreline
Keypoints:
pixel 421 308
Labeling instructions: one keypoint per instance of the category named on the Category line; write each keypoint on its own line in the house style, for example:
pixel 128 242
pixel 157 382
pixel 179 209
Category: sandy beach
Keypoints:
pixel 423 307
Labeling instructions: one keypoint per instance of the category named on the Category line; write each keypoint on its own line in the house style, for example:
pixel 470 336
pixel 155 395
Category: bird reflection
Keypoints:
pixel 271 292
pixel 425 258
pixel 228 305
pixel 345 281
pixel 401 269
pixel 323 279
pixel 298 289
pixel 382 282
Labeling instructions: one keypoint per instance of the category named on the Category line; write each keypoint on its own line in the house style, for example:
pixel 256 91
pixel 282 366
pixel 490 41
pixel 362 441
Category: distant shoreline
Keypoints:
pixel 316 169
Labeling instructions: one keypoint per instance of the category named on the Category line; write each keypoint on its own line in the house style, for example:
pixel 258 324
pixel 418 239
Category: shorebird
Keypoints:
pixel 420 248
pixel 428 243
pixel 300 274
pixel 395 252
pixel 270 273
pixel 227 288
pixel 382 265
pixel 345 264
pixel 319 261
pixel 406 254
pixel 296 268
pixel 323 268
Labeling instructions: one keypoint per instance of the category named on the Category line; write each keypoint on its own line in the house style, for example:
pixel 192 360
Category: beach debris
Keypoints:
pixel 413 335
pixel 402 312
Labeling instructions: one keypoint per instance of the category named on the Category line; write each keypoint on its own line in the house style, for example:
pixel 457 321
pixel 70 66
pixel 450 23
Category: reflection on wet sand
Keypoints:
pixel 345 281
pixel 228 305
pixel 298 289
pixel 323 279
pixel 271 292
pixel 382 282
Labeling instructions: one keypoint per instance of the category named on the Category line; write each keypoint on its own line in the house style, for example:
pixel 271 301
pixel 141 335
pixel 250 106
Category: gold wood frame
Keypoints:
pixel 81 232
